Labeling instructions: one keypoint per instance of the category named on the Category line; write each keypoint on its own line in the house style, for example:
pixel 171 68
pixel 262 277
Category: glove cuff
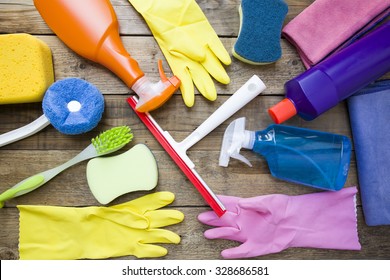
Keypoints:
pixel 325 220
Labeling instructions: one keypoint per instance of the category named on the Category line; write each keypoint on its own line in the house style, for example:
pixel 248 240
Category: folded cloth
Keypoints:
pixel 369 116
pixel 327 24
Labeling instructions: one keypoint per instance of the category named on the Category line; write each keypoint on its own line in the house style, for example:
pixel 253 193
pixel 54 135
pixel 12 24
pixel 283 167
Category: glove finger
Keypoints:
pixel 150 251
pixel 179 67
pixel 264 203
pixel 147 202
pixel 253 204
pixel 230 202
pixel 159 236
pixel 119 216
pixel 229 233
pixel 220 51
pixel 191 72
pixel 203 81
pixel 186 86
pixel 245 250
pixel 228 219
pixel 184 44
pixel 215 68
pixel 162 218
pixel 211 219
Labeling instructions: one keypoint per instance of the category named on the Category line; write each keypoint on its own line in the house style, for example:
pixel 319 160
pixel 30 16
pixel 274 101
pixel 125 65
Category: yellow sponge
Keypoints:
pixel 26 68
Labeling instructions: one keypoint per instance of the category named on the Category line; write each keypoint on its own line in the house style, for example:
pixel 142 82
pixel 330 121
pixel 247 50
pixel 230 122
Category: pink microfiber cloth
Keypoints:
pixel 326 25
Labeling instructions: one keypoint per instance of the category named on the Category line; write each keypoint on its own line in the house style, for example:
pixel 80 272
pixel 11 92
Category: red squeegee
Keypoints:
pixel 253 87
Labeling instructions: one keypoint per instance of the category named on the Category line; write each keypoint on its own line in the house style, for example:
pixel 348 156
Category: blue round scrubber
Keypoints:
pixel 261 22
pixel 73 106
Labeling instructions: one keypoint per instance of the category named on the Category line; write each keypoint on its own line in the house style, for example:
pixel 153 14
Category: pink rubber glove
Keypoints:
pixel 272 223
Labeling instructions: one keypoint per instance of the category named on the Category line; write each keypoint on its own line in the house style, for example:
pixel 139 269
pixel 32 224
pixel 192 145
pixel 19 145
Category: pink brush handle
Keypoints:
pixel 191 174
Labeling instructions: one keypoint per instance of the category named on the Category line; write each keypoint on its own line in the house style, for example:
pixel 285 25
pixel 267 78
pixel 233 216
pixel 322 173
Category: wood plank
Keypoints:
pixel 71 187
pixel 222 15
pixel 49 148
pixel 147 53
pixel 174 117
pixel 194 246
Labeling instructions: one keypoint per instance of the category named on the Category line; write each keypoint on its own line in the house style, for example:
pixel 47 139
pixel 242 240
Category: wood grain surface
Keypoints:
pixel 50 148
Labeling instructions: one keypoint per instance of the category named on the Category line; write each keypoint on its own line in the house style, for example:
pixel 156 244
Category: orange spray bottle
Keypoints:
pixel 90 28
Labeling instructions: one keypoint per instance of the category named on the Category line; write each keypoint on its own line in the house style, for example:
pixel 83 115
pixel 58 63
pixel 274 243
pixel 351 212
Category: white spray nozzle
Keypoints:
pixel 235 138
pixel 153 95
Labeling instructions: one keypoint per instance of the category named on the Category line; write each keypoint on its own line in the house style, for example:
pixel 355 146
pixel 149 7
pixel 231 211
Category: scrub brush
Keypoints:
pixel 107 142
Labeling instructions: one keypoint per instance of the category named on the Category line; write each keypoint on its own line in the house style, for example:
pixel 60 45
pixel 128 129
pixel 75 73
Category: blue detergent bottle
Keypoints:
pixel 309 157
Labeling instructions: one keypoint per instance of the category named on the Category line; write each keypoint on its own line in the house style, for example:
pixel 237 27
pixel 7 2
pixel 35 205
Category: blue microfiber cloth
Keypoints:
pixel 259 37
pixel 73 106
pixel 369 116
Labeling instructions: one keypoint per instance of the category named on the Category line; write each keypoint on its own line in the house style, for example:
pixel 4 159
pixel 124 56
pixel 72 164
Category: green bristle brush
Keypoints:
pixel 107 142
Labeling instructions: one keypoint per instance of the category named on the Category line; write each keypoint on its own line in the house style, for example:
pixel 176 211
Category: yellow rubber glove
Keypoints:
pixel 50 232
pixel 188 42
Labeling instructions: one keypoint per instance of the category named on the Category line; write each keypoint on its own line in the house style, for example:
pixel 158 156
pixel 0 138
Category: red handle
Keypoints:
pixel 193 176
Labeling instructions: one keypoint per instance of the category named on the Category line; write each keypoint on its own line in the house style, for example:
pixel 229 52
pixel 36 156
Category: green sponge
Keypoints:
pixel 111 177
pixel 259 36
pixel 26 68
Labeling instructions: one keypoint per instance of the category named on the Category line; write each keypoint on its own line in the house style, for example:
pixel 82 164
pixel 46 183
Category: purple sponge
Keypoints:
pixel 73 106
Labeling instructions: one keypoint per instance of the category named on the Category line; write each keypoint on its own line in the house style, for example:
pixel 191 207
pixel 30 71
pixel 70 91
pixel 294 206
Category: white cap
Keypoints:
pixel 235 138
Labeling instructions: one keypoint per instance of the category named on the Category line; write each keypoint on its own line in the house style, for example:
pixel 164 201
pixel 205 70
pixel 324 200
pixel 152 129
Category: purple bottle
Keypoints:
pixel 336 78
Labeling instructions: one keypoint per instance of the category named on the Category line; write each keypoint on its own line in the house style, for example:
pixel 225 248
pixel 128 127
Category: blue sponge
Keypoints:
pixel 73 106
pixel 259 37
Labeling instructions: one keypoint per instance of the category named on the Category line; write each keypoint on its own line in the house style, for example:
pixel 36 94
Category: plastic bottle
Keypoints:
pixel 91 29
pixel 336 78
pixel 312 158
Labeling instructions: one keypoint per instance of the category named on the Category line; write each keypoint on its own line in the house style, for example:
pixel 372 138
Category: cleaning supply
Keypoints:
pixel 272 223
pixel 313 158
pixel 336 78
pixel 105 143
pixel 369 117
pixel 71 105
pixel 189 43
pixel 26 68
pixel 327 25
pixel 252 88
pixel 69 233
pixel 134 170
pixel 90 28
pixel 258 40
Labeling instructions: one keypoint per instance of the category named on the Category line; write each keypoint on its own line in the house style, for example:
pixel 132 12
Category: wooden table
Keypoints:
pixel 49 148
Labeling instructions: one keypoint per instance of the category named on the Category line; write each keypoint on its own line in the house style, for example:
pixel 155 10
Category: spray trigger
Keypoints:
pixel 235 138
pixel 161 71
pixel 153 95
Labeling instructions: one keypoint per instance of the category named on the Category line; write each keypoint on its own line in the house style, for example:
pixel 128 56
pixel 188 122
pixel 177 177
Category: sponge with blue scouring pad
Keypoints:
pixel 73 105
pixel 259 36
